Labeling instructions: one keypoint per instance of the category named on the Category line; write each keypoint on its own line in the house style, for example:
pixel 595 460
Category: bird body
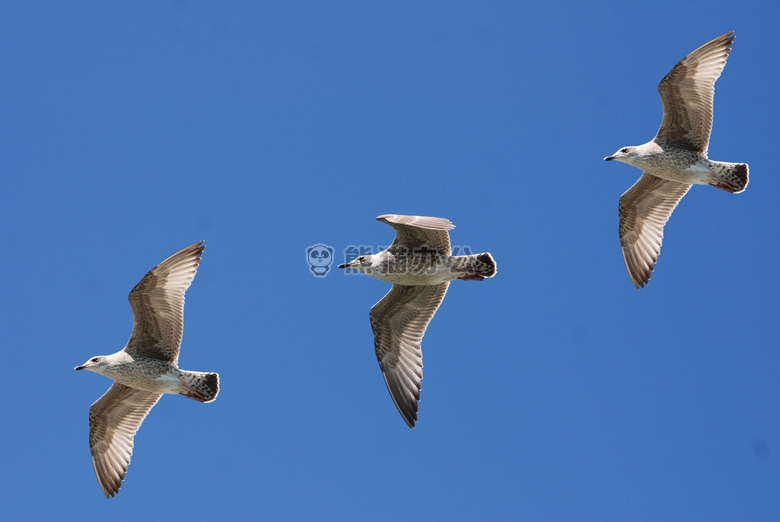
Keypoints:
pixel 154 375
pixel 684 166
pixel 423 267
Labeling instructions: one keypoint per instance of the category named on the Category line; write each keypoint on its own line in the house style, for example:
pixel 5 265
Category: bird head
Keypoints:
pixel 94 365
pixel 360 263
pixel 625 155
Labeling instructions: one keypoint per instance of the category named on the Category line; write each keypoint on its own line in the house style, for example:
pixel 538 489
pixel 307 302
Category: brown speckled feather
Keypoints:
pixel 687 94
pixel 113 421
pixel 644 210
pixel 158 306
pixel 399 321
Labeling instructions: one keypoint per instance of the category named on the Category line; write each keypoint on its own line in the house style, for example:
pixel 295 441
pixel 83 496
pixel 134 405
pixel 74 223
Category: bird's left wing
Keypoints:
pixel 113 421
pixel 644 210
pixel 399 321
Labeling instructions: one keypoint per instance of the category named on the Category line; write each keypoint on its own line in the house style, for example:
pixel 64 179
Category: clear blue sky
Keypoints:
pixel 555 390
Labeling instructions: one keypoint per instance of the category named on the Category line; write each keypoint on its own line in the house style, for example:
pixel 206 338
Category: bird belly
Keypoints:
pixel 416 277
pixel 151 380
pixel 430 277
pixel 168 383
pixel 698 174
pixel 412 269
pixel 678 165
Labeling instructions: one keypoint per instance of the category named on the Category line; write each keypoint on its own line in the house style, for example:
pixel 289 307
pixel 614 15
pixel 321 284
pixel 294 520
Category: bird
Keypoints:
pixel 145 368
pixel 420 266
pixel 675 159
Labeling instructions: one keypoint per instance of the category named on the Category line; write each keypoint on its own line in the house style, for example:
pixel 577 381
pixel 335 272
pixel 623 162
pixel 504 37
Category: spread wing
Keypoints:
pixel 113 421
pixel 414 232
pixel 399 322
pixel 687 93
pixel 158 306
pixel 644 210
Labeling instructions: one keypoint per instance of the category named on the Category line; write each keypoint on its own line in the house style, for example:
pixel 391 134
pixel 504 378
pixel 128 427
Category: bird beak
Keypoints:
pixel 79 367
pixel 609 158
pixel 343 266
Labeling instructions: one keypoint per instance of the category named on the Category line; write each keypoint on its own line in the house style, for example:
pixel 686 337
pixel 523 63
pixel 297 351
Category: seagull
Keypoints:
pixel 675 159
pixel 146 368
pixel 420 266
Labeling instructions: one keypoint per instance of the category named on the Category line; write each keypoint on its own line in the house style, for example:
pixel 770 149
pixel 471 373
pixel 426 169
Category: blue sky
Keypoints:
pixel 555 390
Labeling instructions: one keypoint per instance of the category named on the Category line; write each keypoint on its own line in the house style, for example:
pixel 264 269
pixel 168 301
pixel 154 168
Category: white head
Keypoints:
pixel 96 364
pixel 626 155
pixel 362 264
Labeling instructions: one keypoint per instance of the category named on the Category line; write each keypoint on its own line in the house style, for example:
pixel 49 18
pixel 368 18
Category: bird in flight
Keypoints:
pixel 420 266
pixel 675 159
pixel 146 368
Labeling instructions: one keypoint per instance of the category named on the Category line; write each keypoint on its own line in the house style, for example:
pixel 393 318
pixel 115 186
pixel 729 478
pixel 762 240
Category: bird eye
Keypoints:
pixel 624 149
pixel 95 359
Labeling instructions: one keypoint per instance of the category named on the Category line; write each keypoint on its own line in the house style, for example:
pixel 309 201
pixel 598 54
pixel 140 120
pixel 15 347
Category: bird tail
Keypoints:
pixel 203 387
pixel 731 177
pixel 477 267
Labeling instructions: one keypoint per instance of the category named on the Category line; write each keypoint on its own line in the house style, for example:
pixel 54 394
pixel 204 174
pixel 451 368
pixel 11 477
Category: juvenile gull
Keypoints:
pixel 676 158
pixel 420 266
pixel 146 368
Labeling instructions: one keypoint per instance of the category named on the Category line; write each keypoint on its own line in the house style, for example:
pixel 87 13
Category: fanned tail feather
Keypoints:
pixel 203 387
pixel 476 267
pixel 732 177
pixel 486 265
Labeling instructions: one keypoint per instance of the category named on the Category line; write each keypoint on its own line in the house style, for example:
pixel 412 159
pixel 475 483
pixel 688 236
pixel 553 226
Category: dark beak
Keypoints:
pixel 609 158
pixel 79 367
pixel 342 266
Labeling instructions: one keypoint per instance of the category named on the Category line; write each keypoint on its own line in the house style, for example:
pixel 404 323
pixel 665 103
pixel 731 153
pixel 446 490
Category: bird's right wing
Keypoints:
pixel 687 93
pixel 158 305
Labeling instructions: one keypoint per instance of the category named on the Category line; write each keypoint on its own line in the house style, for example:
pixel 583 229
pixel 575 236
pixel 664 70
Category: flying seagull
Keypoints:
pixel 676 158
pixel 420 266
pixel 146 368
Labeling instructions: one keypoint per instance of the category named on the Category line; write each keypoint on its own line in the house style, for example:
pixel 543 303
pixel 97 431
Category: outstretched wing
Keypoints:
pixel 399 321
pixel 687 93
pixel 415 232
pixel 644 210
pixel 158 305
pixel 113 421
